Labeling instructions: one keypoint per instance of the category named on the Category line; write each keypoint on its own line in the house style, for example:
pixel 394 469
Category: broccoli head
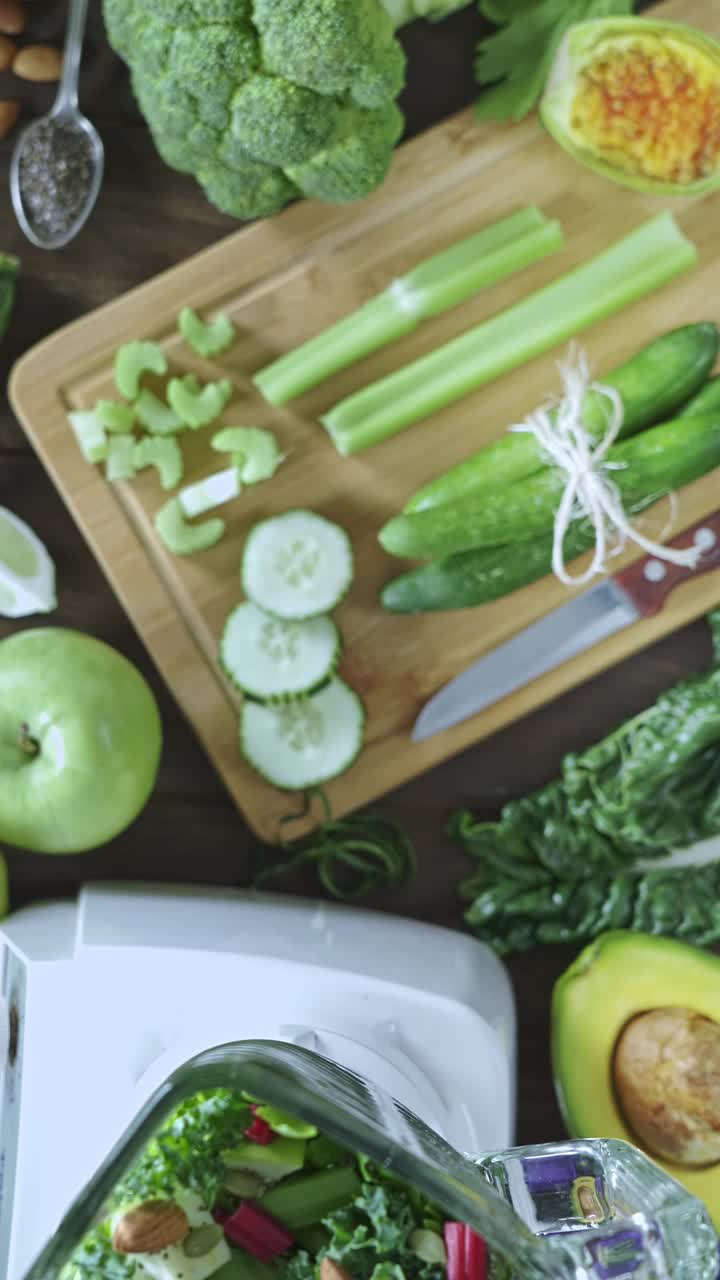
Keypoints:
pixel 265 100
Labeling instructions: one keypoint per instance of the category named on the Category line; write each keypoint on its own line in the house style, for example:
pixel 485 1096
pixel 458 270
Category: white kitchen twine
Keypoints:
pixel 589 493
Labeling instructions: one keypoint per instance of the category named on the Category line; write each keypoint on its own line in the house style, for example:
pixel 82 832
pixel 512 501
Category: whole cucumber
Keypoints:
pixel 8 272
pixel 650 464
pixel 706 400
pixel 652 384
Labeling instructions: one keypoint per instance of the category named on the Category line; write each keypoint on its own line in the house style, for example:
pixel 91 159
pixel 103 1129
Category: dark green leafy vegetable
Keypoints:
pixel 517 58
pixel 561 865
pixel 372 1235
pixel 353 856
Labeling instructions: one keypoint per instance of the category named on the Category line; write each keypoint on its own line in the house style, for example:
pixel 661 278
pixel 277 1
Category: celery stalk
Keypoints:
pixel 634 266
pixel 435 285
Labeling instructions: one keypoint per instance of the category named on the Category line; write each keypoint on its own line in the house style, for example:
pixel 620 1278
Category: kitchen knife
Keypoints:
pixel 588 618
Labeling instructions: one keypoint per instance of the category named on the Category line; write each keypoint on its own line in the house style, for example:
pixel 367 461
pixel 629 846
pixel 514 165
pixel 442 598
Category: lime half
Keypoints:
pixel 27 574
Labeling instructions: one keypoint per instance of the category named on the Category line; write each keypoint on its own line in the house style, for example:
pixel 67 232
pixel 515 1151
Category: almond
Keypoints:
pixel 330 1270
pixel 40 62
pixel 150 1227
pixel 8 50
pixel 9 112
pixel 12 17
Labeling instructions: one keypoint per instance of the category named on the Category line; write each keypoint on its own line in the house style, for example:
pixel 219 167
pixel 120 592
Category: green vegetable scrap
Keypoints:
pixel 571 860
pixel 133 360
pixel 120 463
pixel 196 405
pixel 164 455
pixel 206 338
pixel 185 539
pixel 266 102
pixel 9 267
pixel 89 433
pixel 516 60
pixel 115 416
pixel 156 416
pixel 254 450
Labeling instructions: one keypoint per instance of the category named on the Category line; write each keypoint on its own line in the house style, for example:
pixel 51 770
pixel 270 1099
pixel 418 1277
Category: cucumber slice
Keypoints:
pixel 223 486
pixel 254 451
pixel 206 338
pixel 115 416
pixel 186 539
pixel 120 464
pixel 90 434
pixel 156 416
pixel 132 361
pixel 307 741
pixel 297 565
pixel 197 406
pixel 268 658
pixel 165 455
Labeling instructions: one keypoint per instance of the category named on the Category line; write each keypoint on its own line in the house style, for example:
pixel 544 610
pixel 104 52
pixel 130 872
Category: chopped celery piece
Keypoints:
pixel 632 267
pixel 206 338
pixel 186 539
pixel 165 455
pixel 120 463
pixel 223 486
pixel 311 1198
pixel 89 433
pixel 254 451
pixel 132 361
pixel 436 285
pixel 156 416
pixel 271 1163
pixel 287 1126
pixel 115 416
pixel 198 406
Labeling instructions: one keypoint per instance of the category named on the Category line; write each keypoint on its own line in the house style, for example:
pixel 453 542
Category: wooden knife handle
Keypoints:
pixel 649 581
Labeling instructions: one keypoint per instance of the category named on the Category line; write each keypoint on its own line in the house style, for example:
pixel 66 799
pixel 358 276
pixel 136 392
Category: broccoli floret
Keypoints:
pixel 326 45
pixel 263 100
pixel 358 160
pixel 250 189
pixel 282 123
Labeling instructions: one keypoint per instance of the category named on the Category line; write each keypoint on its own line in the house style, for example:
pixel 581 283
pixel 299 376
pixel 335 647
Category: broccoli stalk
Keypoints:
pixel 266 100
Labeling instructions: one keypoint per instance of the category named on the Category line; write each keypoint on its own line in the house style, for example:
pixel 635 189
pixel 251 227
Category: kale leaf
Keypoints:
pixel 370 1237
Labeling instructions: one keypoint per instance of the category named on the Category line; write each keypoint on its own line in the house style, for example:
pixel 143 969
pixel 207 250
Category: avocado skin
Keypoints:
pixel 620 974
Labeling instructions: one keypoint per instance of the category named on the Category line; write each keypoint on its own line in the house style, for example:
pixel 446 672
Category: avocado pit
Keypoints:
pixel 666 1072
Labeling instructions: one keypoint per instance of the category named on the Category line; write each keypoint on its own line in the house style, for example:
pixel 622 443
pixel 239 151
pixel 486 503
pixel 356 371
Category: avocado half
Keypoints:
pixel 617 100
pixel 620 975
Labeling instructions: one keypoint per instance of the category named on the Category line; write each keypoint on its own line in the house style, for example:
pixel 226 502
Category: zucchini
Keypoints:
pixel 9 267
pixel 652 464
pixel 654 383
pixel 302 743
pixel 269 658
pixel 297 565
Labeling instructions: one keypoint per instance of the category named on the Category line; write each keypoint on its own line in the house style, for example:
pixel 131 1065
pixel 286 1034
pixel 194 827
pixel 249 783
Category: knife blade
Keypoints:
pixel 638 592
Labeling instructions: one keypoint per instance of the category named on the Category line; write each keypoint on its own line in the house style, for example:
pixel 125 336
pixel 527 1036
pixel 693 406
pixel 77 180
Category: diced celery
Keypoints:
pixel 632 267
pixel 308 1199
pixel 186 539
pixel 254 451
pixel 115 416
pixel 120 464
pixel 89 433
pixel 198 406
pixel 435 285
pixel 271 1163
pixel 223 486
pixel 165 455
pixel 132 361
pixel 206 338
pixel 156 416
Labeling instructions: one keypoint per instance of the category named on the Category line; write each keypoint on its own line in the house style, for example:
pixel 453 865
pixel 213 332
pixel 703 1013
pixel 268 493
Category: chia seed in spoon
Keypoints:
pixel 55 175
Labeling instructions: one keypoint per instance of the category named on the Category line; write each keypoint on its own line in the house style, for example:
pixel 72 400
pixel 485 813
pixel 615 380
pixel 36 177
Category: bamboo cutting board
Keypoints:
pixel 281 281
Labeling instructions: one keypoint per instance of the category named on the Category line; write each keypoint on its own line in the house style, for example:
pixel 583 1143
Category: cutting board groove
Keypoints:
pixel 284 279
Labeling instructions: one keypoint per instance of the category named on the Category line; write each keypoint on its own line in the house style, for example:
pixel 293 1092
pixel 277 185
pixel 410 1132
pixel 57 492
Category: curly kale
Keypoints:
pixel 265 100
pixel 571 860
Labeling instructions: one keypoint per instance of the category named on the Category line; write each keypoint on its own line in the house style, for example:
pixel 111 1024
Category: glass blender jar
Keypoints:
pixel 586 1210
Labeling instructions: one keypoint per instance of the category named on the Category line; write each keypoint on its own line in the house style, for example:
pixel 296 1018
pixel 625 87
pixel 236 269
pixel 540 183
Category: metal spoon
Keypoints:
pixel 65 112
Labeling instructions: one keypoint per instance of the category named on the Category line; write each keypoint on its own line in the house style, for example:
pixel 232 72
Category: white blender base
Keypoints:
pixel 115 992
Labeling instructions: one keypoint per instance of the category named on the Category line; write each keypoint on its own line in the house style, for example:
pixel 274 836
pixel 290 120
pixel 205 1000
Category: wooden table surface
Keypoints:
pixel 149 218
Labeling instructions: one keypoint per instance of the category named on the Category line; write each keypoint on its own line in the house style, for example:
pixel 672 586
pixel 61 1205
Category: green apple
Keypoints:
pixel 80 741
